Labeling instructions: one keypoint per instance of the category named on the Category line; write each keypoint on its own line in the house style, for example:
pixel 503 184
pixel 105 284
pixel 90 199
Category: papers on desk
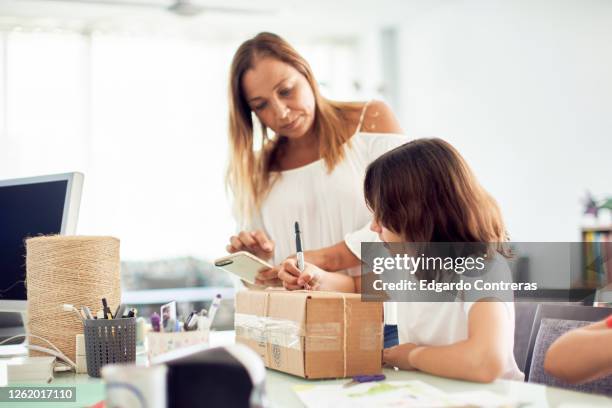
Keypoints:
pixel 396 394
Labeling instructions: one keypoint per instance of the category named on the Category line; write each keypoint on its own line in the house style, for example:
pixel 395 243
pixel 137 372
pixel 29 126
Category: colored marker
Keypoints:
pixel 213 308
pixel 155 322
pixel 298 248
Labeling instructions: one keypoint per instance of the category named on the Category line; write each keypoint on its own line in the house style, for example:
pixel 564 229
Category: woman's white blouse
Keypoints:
pixel 328 205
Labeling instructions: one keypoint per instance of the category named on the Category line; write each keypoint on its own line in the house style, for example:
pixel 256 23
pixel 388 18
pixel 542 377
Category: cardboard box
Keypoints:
pixel 312 334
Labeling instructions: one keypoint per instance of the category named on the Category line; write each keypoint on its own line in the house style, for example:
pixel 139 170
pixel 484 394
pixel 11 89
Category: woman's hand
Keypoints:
pixel 255 242
pixel 398 356
pixel 294 279
pixel 269 277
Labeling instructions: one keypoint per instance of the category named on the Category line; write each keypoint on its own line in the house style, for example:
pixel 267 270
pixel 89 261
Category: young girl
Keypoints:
pixel 423 191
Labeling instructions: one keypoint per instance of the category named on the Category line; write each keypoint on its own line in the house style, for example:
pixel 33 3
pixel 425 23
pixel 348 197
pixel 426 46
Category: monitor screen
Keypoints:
pixel 27 209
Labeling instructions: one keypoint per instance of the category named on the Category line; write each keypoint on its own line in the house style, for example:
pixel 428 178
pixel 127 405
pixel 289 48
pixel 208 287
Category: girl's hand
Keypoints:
pixel 294 279
pixel 255 242
pixel 398 356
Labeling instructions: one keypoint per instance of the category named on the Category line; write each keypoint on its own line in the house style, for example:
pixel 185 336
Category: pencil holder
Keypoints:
pixel 109 341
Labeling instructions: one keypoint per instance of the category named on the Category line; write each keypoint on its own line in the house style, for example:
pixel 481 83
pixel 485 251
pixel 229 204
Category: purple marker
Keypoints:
pixel 360 379
pixel 155 322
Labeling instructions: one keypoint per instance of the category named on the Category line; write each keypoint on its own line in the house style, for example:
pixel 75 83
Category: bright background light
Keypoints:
pixel 137 100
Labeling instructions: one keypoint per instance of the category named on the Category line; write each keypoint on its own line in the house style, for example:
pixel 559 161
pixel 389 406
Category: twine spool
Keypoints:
pixel 68 269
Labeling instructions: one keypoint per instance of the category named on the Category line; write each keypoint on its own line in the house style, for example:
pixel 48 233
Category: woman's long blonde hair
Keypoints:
pixel 249 176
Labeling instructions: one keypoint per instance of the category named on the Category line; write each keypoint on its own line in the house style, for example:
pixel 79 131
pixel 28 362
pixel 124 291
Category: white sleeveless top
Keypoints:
pixel 328 206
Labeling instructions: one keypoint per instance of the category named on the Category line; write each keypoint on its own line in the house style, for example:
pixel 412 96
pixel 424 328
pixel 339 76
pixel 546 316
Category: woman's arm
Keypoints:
pixel 582 354
pixel 481 357
pixel 332 258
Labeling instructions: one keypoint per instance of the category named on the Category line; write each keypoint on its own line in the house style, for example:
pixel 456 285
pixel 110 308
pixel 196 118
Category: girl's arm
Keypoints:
pixel 581 355
pixel 481 357
pixel 313 278
pixel 333 258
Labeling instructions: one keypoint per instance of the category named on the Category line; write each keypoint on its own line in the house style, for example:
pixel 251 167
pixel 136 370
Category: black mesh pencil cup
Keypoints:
pixel 109 341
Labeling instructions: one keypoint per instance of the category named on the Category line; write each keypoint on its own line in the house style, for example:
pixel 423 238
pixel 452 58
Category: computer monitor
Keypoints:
pixel 30 207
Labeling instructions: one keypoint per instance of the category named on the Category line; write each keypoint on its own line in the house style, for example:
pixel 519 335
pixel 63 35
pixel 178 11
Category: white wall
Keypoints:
pixel 144 117
pixel 524 90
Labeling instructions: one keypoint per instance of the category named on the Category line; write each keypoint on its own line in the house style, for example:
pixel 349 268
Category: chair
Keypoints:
pixel 550 322
pixel 524 313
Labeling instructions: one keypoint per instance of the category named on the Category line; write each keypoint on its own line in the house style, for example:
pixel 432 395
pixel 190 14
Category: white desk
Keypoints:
pixel 280 393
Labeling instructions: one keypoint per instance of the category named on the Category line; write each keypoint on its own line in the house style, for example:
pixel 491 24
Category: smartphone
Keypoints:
pixel 243 264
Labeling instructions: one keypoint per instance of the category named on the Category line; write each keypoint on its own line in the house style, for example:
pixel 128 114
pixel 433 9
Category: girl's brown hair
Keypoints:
pixel 249 174
pixel 424 191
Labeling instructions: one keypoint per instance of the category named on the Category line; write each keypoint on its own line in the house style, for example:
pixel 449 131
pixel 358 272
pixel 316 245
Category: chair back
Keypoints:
pixel 550 322
pixel 524 313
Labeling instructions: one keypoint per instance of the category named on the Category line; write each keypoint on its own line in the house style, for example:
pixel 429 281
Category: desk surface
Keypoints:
pixel 280 393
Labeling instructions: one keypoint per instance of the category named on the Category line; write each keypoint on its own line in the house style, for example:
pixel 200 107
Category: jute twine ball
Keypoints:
pixel 76 270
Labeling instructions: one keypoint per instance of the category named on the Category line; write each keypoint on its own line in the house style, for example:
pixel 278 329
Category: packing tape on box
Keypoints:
pixel 288 333
pixel 284 333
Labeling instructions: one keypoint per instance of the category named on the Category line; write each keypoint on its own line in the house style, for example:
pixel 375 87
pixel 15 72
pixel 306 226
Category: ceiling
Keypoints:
pixel 340 18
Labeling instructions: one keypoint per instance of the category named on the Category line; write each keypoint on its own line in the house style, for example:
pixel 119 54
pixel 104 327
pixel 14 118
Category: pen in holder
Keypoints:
pixel 109 341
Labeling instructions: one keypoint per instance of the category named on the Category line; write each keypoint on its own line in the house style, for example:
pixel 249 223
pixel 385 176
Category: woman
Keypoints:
pixel 424 192
pixel 310 169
